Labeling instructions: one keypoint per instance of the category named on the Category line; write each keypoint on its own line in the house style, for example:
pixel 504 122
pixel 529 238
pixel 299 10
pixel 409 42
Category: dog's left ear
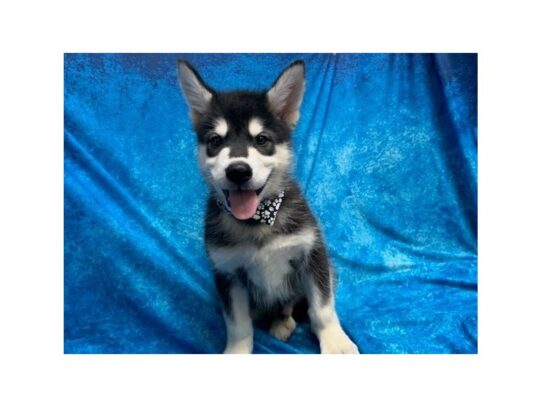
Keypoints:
pixel 285 95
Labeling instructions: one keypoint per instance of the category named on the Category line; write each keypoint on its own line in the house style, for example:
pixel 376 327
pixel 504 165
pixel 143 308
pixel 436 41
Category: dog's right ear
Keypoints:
pixel 197 94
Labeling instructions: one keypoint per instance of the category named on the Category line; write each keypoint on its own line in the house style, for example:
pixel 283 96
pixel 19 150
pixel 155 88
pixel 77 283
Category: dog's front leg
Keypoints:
pixel 326 326
pixel 320 296
pixel 236 311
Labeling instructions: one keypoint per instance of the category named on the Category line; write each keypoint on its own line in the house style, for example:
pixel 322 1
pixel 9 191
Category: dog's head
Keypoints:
pixel 244 137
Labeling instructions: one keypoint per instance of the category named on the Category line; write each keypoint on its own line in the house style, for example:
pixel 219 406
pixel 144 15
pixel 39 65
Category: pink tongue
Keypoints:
pixel 243 204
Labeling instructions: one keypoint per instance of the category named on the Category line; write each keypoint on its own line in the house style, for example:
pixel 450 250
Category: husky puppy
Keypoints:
pixel 263 240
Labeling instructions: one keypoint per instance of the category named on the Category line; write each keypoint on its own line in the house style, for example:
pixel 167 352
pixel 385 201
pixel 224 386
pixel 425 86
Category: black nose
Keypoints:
pixel 239 173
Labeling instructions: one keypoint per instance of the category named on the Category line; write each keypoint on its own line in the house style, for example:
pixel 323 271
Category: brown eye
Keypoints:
pixel 261 139
pixel 216 141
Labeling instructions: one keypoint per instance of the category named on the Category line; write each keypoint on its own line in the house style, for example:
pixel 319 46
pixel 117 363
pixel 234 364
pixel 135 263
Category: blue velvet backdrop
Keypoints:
pixel 385 152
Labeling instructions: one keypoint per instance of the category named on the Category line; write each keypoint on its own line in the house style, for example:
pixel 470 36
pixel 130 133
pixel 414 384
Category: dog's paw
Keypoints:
pixel 334 340
pixel 239 347
pixel 282 328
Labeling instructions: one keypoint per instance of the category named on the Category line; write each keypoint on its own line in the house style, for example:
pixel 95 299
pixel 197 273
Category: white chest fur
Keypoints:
pixel 267 266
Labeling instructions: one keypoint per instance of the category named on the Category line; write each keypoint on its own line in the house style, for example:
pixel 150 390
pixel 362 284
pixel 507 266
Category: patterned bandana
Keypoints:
pixel 267 209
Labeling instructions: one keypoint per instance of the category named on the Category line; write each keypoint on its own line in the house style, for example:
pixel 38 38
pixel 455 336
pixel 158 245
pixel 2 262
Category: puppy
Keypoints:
pixel 263 240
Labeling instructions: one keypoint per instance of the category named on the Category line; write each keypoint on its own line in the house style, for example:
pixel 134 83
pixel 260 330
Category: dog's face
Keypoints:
pixel 244 137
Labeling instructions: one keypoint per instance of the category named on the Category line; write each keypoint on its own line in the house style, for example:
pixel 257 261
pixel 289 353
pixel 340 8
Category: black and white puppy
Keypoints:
pixel 263 240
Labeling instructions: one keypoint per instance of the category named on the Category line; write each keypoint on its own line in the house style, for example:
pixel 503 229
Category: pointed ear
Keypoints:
pixel 197 94
pixel 285 95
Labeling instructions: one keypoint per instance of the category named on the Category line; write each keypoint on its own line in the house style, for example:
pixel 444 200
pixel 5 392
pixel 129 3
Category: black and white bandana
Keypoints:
pixel 267 209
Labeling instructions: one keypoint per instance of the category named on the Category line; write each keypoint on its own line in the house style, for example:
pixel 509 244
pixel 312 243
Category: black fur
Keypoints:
pixel 223 284
pixel 319 269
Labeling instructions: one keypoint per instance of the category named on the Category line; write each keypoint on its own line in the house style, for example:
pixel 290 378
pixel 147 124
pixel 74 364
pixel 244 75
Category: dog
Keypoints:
pixel 263 241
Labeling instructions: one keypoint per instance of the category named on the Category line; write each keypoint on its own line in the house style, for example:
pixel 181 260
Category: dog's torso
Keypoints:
pixel 269 268
pixel 266 259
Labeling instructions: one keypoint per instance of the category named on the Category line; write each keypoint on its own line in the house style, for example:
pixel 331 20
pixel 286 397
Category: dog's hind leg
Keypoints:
pixel 283 327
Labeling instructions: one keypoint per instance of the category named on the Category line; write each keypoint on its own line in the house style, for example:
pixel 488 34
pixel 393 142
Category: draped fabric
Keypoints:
pixel 385 152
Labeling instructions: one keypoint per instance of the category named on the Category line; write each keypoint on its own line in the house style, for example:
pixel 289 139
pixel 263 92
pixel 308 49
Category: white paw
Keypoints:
pixel 334 340
pixel 282 328
pixel 243 346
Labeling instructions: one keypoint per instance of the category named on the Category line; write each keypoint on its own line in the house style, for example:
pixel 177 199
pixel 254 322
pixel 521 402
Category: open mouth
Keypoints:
pixel 257 191
pixel 243 202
